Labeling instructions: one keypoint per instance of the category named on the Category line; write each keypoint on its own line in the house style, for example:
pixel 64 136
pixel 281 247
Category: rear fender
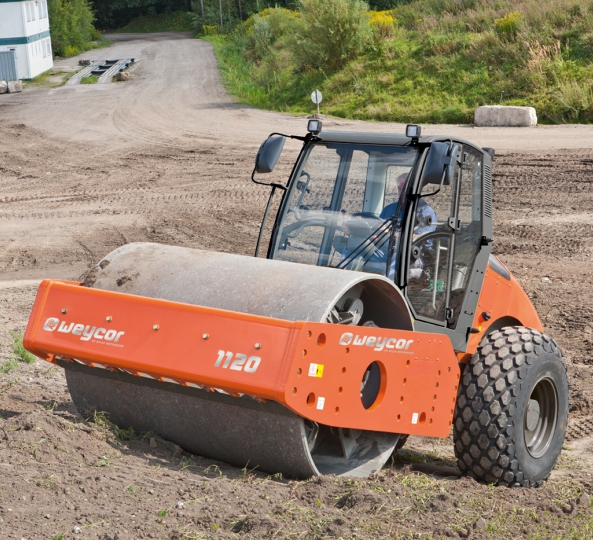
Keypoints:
pixel 502 302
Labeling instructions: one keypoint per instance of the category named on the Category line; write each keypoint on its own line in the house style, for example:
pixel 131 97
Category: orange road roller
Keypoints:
pixel 377 312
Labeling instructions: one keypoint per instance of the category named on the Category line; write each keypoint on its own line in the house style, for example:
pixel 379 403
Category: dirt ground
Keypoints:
pixel 166 157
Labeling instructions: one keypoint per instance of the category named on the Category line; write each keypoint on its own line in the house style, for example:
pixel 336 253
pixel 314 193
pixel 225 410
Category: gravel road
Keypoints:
pixel 166 157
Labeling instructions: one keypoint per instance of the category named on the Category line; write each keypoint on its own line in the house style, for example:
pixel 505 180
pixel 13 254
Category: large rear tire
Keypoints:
pixel 512 408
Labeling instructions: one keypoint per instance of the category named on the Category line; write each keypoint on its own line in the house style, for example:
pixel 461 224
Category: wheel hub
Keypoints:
pixel 541 416
pixel 532 414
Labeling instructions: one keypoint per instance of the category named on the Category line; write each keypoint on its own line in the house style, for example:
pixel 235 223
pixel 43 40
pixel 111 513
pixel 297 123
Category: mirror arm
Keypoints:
pixel 297 137
pixel 420 196
pixel 271 184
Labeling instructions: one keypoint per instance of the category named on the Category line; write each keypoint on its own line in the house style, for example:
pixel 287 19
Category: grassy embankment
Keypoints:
pixel 427 61
pixel 178 21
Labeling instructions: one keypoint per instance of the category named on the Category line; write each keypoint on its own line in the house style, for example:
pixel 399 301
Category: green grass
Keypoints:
pixel 178 21
pixel 101 420
pixel 439 63
pixel 91 79
pixel 19 351
pixel 100 43
pixel 70 50
pixel 18 354
pixel 52 78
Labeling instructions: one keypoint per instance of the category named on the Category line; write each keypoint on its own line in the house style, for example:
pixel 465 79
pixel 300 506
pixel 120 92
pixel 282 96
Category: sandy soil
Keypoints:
pixel 166 157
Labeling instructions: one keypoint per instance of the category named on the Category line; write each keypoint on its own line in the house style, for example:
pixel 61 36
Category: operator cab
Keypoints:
pixel 414 209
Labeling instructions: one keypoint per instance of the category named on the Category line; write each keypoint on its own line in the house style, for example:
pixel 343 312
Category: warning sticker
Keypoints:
pixel 315 370
pixel 415 418
pixel 320 402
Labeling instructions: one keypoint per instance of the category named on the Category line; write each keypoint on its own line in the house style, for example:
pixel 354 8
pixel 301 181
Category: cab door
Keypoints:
pixel 444 235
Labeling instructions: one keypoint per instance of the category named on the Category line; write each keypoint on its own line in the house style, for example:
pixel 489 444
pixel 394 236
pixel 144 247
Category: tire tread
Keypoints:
pixel 486 404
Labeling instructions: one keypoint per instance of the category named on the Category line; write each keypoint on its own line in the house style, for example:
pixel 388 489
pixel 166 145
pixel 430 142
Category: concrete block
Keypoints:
pixel 15 86
pixel 499 115
pixel 3 87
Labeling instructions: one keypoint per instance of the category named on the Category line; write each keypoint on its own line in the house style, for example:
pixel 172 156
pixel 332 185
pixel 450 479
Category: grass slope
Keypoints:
pixel 178 21
pixel 439 61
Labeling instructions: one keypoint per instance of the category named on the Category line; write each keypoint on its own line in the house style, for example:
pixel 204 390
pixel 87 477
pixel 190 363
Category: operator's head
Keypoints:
pixel 401 182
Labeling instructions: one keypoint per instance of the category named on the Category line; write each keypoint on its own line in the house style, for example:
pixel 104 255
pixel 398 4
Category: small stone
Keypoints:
pixel 175 448
pixel 463 533
pixel 568 508
pixel 152 442
pixel 180 506
pixel 47 516
pixel 151 491
pixel 122 76
pixel 480 524
pixel 584 499
pixel 76 530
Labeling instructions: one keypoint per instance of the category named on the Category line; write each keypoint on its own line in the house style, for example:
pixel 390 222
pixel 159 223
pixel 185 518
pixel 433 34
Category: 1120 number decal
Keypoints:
pixel 240 362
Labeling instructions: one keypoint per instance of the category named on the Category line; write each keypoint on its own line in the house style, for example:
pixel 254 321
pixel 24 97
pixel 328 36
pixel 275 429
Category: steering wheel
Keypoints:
pixel 419 243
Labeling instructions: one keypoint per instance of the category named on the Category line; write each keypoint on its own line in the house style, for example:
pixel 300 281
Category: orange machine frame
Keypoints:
pixel 500 299
pixel 314 369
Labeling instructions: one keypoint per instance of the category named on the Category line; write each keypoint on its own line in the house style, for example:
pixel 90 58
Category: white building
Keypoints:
pixel 25 45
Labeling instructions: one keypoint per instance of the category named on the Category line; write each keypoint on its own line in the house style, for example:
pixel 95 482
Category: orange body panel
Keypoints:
pixel 314 369
pixel 500 298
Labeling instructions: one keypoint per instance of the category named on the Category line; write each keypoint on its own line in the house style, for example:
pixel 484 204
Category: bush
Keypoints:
pixel 71 26
pixel 331 33
pixel 69 50
pixel 209 30
pixel 509 26
pixel 263 29
pixel 383 23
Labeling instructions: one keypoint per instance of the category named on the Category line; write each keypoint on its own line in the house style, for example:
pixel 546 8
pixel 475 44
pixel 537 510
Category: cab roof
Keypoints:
pixel 396 139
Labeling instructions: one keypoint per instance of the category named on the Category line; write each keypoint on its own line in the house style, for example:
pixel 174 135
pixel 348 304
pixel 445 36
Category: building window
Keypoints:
pixel 28 10
pixel 44 3
pixel 32 11
pixel 40 10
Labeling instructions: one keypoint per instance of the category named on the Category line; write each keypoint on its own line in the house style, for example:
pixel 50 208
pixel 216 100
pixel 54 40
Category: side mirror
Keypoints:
pixel 268 154
pixel 440 160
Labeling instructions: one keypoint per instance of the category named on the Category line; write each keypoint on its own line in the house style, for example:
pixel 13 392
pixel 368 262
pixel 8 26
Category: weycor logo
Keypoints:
pixel 86 333
pixel 378 343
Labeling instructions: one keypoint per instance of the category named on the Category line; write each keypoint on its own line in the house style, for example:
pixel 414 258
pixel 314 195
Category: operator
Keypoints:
pixel 425 215
pixel 426 219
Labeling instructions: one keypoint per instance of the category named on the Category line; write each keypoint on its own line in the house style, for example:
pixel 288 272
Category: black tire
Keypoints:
pixel 515 370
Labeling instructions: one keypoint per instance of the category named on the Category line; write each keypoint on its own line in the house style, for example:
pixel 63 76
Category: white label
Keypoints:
pixel 321 403
pixel 415 418
pixel 312 370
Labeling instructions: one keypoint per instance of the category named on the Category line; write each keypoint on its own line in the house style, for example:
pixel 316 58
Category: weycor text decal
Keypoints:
pixel 376 342
pixel 86 332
